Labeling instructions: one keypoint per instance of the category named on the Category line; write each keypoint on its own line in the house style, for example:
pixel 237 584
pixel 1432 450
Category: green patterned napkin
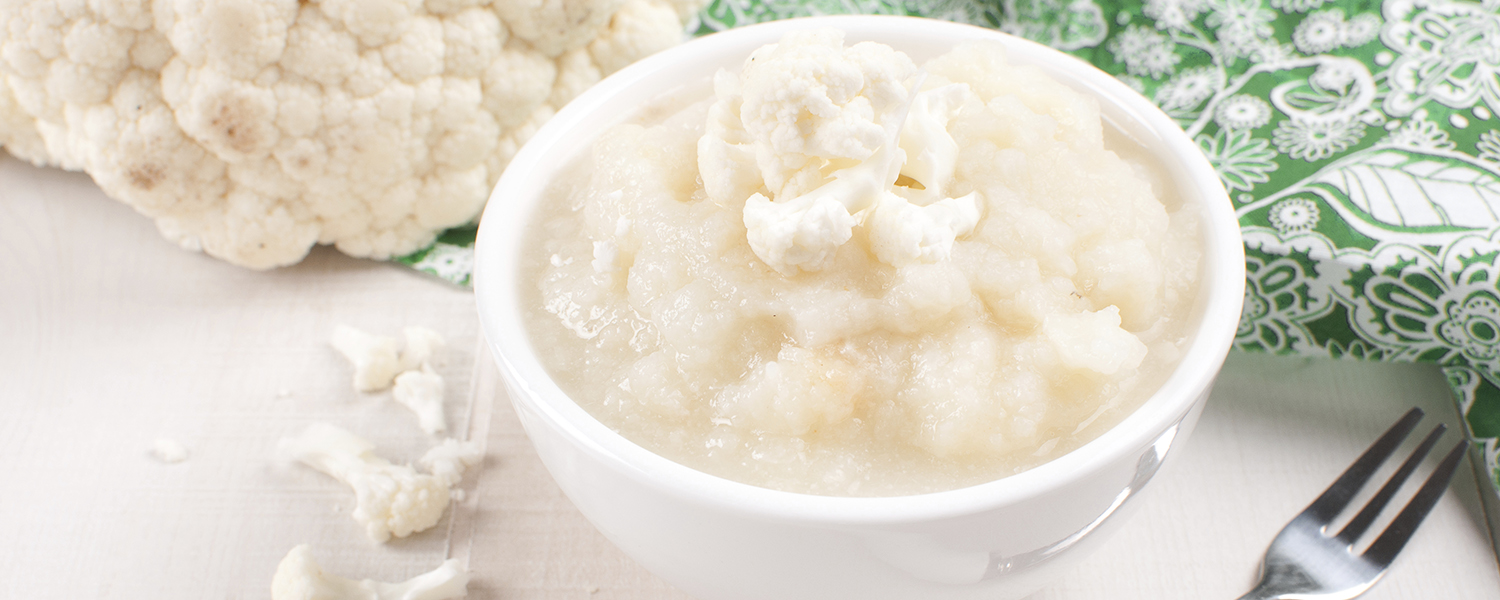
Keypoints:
pixel 1357 138
pixel 451 257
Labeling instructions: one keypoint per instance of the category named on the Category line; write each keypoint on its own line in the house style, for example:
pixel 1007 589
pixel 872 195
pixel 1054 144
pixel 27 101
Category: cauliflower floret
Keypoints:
pixel 299 577
pixel 801 233
pixel 378 364
pixel 902 233
pixel 557 26
pixel 448 461
pixel 418 387
pixel 422 346
pixel 807 102
pixel 18 130
pixel 375 357
pixel 254 129
pixel 421 390
pixel 390 499
pixel 639 29
pixel 832 130
pixel 726 158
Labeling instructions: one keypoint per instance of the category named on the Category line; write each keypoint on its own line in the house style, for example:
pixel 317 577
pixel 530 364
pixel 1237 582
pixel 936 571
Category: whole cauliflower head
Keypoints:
pixel 254 129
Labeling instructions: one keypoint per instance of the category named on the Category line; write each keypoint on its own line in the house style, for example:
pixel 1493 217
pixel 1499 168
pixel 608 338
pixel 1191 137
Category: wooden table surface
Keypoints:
pixel 111 338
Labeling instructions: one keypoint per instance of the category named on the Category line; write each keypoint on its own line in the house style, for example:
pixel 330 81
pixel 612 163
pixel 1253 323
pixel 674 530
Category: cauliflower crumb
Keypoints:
pixel 169 451
pixel 299 577
pixel 390 499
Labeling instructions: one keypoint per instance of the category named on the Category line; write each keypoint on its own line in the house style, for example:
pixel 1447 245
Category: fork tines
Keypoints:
pixel 1337 497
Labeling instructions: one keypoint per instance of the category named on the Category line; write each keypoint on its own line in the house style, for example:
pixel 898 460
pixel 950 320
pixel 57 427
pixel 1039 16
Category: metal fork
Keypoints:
pixel 1306 562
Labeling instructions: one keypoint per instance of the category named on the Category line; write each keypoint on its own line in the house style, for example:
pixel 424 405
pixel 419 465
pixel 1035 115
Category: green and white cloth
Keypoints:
pixel 1358 140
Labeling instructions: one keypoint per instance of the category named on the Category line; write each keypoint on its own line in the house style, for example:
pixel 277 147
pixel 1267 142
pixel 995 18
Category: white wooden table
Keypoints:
pixel 111 338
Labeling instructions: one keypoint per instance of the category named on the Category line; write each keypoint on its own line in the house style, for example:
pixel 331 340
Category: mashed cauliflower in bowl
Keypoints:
pixel 899 308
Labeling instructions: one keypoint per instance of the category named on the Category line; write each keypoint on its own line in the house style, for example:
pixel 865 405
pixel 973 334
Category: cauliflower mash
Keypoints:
pixel 841 273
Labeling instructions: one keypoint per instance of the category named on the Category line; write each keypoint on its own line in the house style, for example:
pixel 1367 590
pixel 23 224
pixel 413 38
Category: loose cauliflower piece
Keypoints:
pixel 418 387
pixel 254 129
pixel 299 577
pixel 422 346
pixel 378 365
pixel 390 499
pixel 421 390
pixel 375 357
pixel 448 461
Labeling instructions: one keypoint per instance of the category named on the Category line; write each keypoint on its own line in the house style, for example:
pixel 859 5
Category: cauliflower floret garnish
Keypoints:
pixel 390 499
pixel 931 153
pixel 832 131
pixel 299 577
pixel 253 129
pixel 902 233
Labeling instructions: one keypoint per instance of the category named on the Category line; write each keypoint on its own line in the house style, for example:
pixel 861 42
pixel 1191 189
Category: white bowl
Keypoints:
pixel 718 539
